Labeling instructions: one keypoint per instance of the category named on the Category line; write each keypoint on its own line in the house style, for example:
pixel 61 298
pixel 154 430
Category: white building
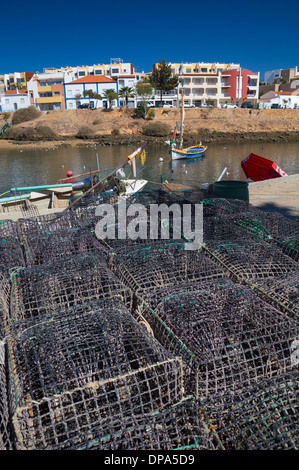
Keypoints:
pixel 12 100
pixel 130 81
pixel 279 99
pixel 74 91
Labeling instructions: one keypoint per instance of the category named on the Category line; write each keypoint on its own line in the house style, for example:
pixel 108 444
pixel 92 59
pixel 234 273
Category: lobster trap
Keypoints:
pixel 143 266
pixel 265 416
pixel 62 243
pixel 90 367
pixel 11 253
pixel 249 260
pixel 48 223
pixel 43 290
pixel 6 437
pixel 282 292
pixel 227 336
pixel 178 427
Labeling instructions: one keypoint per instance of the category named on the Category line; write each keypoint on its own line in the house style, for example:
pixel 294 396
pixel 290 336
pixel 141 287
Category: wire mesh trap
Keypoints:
pixel 41 290
pixel 232 337
pixel 265 224
pixel 6 439
pixel 48 223
pixel 143 266
pixel 249 260
pixel 89 367
pixel 264 416
pixel 8 228
pixel 226 207
pixel 62 243
pixel 11 253
pixel 176 428
pixel 282 292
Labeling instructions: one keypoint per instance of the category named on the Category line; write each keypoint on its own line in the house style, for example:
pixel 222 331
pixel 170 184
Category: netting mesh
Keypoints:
pixel 144 266
pixel 11 253
pixel 232 337
pixel 282 292
pixel 63 243
pixel 177 428
pixel 88 367
pixel 6 439
pixel 251 260
pixel 263 417
pixel 107 344
pixel 48 223
pixel 41 290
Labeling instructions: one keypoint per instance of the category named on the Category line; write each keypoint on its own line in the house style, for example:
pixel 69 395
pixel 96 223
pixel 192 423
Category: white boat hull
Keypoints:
pixel 188 153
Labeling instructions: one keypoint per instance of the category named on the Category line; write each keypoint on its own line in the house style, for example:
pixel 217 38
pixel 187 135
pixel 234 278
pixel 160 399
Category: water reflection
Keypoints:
pixel 38 167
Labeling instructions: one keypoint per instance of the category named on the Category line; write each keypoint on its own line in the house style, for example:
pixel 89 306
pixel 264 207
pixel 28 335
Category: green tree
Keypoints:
pixel 162 79
pixel 126 92
pixel 78 96
pixel 110 95
pixel 144 91
pixel 89 94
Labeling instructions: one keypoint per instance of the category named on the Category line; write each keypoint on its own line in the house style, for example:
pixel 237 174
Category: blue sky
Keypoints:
pixel 260 36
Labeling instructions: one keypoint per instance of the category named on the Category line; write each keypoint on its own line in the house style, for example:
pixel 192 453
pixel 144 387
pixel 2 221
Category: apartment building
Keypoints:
pixel 213 84
pixel 130 81
pixel 11 81
pixel 46 90
pixel 115 68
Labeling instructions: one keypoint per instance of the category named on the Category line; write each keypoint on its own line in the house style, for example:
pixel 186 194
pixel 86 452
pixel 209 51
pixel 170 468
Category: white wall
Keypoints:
pixel 10 103
pixel 72 89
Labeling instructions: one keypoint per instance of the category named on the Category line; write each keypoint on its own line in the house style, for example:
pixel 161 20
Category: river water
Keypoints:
pixel 27 167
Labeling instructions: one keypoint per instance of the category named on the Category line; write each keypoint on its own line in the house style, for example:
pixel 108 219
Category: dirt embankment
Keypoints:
pixel 208 125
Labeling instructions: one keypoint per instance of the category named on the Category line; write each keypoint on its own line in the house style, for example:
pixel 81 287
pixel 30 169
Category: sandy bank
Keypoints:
pixel 209 125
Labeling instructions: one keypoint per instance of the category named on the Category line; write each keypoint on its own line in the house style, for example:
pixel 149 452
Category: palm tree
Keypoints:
pixel 110 95
pixel 77 98
pixel 126 92
pixel 88 93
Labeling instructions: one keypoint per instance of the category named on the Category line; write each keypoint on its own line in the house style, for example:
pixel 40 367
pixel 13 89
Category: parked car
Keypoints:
pixel 168 106
pixel 246 105
pixel 204 105
pixel 229 106
pixel 83 106
pixel 187 105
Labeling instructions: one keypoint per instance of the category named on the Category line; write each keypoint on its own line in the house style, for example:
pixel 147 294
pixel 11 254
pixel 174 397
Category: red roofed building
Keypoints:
pixel 12 100
pixel 74 91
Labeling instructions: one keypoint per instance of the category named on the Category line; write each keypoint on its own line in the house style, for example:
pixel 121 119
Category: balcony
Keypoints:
pixel 225 85
pixel 49 99
pixel 44 89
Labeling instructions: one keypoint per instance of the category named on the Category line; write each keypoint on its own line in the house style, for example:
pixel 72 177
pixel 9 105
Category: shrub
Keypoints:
pixel 31 133
pixel 25 114
pixel 45 133
pixel 115 131
pixel 96 122
pixel 85 132
pixel 151 114
pixel 156 129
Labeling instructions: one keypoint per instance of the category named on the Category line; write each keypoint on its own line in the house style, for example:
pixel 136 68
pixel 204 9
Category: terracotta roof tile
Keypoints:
pixel 93 79
pixel 14 92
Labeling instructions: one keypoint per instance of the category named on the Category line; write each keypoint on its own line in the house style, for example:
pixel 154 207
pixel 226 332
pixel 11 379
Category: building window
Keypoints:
pixel 188 70
pixel 114 70
pixel 56 93
pixel 82 74
pixel 98 72
pixel 58 106
pixel 204 70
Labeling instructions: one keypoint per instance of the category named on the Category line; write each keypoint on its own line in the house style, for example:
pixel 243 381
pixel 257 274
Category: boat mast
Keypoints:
pixel 182 108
